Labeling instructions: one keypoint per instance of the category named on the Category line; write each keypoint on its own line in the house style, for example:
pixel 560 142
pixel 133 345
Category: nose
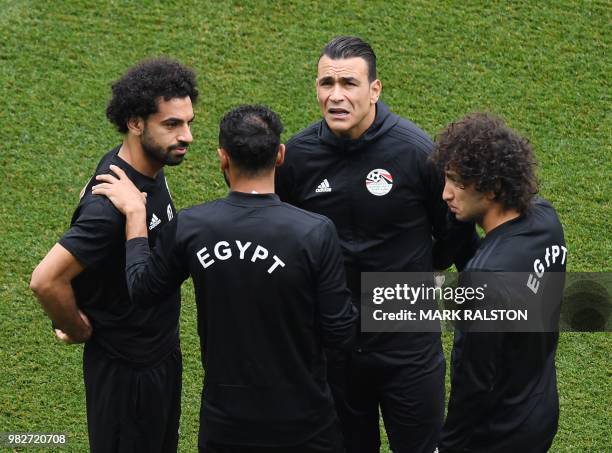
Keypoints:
pixel 336 93
pixel 186 134
pixel 447 194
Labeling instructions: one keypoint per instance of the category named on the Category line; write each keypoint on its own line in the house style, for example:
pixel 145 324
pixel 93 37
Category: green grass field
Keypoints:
pixel 544 66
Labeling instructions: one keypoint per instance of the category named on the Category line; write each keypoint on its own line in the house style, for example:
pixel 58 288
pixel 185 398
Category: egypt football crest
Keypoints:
pixel 379 182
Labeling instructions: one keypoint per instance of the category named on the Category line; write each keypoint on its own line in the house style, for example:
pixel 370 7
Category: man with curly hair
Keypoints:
pixel 503 384
pixel 132 362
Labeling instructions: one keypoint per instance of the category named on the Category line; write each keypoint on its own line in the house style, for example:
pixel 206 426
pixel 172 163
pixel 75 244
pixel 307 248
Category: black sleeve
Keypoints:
pixel 337 314
pixel 474 369
pixel 153 275
pixel 454 241
pixel 96 227
pixel 284 179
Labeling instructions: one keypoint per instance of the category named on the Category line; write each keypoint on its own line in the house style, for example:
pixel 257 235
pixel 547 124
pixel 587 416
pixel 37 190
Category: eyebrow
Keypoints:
pixel 340 79
pixel 452 176
pixel 173 119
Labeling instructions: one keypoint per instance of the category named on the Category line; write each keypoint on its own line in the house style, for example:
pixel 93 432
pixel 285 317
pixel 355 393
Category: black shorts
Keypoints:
pixel 534 435
pixel 329 440
pixel 132 409
pixel 407 386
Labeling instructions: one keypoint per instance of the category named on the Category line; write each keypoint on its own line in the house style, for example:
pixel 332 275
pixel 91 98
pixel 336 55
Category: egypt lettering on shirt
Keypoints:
pixel 223 251
pixel 552 254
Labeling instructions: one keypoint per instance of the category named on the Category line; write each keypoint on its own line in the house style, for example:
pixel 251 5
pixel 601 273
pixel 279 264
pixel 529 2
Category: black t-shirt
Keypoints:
pixel 96 238
pixel 271 293
pixel 384 196
pixel 499 378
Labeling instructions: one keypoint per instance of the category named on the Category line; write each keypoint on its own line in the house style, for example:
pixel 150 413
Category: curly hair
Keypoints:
pixel 484 151
pixel 136 93
pixel 251 136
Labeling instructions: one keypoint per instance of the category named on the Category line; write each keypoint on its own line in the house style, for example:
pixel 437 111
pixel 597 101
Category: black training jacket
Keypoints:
pixel 503 385
pixel 384 196
pixel 271 293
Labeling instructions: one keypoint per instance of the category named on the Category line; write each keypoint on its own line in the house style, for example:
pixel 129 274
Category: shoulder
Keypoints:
pixel 525 240
pixel 98 206
pixel 305 139
pixel 106 160
pixel 307 216
pixel 541 209
pixel 300 148
pixel 305 222
pixel 201 212
pixel 412 137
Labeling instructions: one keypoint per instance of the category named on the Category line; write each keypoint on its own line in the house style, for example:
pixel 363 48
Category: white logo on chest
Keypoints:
pixel 379 182
pixel 323 187
pixel 154 221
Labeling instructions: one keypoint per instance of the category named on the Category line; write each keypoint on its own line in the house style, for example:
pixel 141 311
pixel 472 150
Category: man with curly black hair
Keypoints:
pixel 482 151
pixel 503 384
pixel 132 362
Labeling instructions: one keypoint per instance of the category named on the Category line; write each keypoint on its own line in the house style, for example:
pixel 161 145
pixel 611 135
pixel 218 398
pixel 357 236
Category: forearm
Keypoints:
pixel 59 304
pixel 136 223
pixel 340 325
pixel 137 253
pixel 51 283
pixel 153 274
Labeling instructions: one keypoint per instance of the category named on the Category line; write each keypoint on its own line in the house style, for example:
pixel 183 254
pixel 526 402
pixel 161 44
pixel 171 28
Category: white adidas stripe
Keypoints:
pixel 324 186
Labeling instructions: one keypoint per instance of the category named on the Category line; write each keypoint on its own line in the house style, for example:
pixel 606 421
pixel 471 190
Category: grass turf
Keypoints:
pixel 544 66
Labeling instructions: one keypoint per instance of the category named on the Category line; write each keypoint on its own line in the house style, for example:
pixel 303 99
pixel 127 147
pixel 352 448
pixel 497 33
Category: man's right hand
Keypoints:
pixel 127 198
pixel 75 339
pixel 120 191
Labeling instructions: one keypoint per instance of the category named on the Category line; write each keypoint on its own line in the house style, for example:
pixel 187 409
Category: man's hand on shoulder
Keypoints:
pixel 126 197
pixel 121 191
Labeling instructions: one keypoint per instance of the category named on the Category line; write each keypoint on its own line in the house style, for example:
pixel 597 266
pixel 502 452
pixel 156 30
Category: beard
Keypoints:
pixel 160 154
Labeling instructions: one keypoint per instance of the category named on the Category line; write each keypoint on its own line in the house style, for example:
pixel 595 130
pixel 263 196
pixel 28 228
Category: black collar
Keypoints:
pixel 252 199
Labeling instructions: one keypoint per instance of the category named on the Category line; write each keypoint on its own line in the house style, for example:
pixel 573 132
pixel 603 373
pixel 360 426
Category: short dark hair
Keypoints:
pixel 251 136
pixel 351 47
pixel 136 93
pixel 484 151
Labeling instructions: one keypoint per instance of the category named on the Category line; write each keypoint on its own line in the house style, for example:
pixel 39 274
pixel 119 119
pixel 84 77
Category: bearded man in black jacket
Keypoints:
pixel 270 292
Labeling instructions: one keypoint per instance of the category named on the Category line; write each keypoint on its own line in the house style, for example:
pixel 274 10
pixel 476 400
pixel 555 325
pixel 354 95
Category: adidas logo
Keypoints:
pixel 154 222
pixel 324 187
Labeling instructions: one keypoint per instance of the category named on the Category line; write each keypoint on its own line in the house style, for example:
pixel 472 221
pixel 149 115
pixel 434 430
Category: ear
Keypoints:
pixel 136 126
pixel 490 195
pixel 280 157
pixel 375 89
pixel 496 189
pixel 224 159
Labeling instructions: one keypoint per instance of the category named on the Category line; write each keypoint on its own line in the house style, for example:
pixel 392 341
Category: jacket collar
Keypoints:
pixel 383 121
pixel 252 199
